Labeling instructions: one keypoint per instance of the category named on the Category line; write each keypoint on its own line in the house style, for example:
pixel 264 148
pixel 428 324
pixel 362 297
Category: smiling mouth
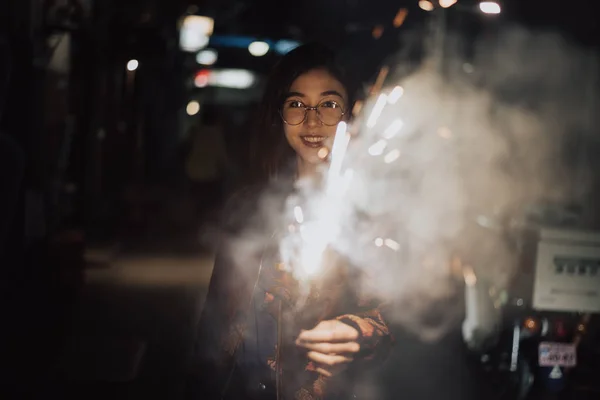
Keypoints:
pixel 313 141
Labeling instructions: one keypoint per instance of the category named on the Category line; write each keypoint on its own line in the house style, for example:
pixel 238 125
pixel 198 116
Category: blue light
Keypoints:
pixel 242 42
pixel 285 46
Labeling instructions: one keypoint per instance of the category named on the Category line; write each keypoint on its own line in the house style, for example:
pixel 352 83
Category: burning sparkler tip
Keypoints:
pixel 323 153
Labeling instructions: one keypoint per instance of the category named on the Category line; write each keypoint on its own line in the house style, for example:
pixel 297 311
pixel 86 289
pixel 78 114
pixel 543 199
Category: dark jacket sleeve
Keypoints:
pixel 365 314
pixel 207 369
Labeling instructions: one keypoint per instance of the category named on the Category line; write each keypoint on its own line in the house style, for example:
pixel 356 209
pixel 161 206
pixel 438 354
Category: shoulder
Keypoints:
pixel 252 205
pixel 243 198
pixel 240 206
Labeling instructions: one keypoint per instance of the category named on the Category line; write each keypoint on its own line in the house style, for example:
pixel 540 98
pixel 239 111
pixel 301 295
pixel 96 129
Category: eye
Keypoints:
pixel 330 104
pixel 294 104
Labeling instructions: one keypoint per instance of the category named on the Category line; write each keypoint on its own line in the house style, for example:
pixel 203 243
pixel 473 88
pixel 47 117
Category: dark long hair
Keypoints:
pixel 271 155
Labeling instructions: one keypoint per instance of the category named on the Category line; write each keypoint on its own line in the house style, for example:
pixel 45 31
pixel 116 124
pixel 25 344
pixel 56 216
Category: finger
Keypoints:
pixel 330 331
pixel 330 348
pixel 324 372
pixel 331 371
pixel 328 359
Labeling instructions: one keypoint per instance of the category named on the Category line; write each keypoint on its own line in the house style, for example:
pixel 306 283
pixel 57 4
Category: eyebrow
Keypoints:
pixel 325 93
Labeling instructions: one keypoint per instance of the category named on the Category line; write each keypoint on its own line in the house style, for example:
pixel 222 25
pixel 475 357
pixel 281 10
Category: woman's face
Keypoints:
pixel 311 89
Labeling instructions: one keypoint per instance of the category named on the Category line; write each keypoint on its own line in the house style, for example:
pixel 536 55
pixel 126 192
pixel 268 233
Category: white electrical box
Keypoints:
pixel 567 271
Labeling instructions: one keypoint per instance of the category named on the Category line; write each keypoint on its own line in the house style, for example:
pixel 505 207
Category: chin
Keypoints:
pixel 311 158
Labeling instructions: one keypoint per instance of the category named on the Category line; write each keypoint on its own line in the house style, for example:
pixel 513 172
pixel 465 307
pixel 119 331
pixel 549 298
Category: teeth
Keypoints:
pixel 313 139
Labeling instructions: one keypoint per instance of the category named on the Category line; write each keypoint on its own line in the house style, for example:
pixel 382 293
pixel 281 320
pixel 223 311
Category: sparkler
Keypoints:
pixel 318 233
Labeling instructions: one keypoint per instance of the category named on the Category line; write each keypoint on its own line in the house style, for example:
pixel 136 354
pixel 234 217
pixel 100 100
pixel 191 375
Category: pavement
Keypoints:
pixel 133 326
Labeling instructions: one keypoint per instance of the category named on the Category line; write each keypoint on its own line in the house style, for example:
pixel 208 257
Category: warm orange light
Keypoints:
pixel 426 5
pixel 530 324
pixel 377 31
pixel 469 275
pixel 447 3
pixel 400 17
pixel 357 107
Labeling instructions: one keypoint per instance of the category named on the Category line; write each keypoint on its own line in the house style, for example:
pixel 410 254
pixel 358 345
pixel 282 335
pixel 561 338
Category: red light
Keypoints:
pixel 201 79
pixel 561 330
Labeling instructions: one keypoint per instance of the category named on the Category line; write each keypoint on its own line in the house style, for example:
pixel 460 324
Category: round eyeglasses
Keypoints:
pixel 294 112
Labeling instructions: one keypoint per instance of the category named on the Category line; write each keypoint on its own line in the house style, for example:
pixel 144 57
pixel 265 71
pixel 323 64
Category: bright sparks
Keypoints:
pixel 377 148
pixel 299 214
pixel 395 95
pixel 391 156
pixel 377 110
pixel 393 129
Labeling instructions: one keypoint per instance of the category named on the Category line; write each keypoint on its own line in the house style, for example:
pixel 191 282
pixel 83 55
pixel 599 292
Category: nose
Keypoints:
pixel 312 119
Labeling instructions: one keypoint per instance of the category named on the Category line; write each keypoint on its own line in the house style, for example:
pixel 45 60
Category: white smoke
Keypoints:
pixel 449 159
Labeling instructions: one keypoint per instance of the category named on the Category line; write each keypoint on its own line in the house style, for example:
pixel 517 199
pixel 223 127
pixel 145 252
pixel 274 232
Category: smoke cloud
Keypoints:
pixel 452 160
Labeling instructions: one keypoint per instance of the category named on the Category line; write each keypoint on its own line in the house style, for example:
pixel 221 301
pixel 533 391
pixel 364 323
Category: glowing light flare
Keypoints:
pixel 207 57
pixel 258 48
pixel 379 242
pixel 132 65
pixel 377 148
pixel 225 78
pixel 312 256
pixel 393 129
pixel 323 153
pixel 298 214
pixel 490 7
pixel 338 152
pixel 395 94
pixel 392 244
pixel 377 110
pixel 199 23
pixel 391 156
pixel 285 46
pixel 315 237
pixel 377 32
pixel 195 32
pixel 232 78
pixel 447 3
pixel 201 79
pixel 469 275
pixel 426 5
pixel 530 324
pixel 400 17
pixel 193 108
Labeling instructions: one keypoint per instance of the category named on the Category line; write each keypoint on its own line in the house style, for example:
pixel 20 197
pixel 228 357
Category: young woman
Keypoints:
pixel 237 355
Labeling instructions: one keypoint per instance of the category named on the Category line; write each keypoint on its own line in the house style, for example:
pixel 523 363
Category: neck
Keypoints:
pixel 306 169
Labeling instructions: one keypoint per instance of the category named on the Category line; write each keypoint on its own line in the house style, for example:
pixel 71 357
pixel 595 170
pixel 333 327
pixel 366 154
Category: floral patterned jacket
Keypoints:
pixel 223 320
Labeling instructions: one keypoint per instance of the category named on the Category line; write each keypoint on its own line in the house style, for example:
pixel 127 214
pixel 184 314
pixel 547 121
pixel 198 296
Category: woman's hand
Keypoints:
pixel 331 345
